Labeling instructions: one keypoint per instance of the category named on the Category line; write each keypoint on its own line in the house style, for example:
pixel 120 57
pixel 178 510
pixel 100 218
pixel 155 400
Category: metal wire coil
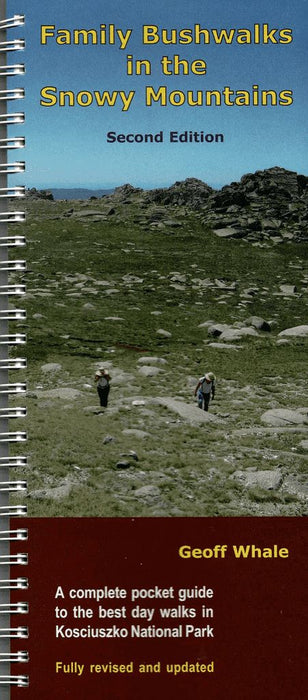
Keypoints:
pixel 14 584
pixel 13 511
pixel 10 22
pixel 13 339
pixel 19 681
pixel 18 461
pixel 13 486
pixel 12 559
pixel 14 535
pixel 17 656
pixel 19 436
pixel 14 632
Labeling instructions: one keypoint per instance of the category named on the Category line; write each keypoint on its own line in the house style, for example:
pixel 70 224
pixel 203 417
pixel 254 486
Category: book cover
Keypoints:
pixel 166 225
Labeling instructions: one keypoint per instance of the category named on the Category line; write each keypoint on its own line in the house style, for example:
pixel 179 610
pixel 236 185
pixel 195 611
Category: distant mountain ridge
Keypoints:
pixel 68 192
pixel 77 192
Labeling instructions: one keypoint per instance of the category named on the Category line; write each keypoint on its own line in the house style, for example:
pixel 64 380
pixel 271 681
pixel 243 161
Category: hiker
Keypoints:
pixel 102 377
pixel 205 389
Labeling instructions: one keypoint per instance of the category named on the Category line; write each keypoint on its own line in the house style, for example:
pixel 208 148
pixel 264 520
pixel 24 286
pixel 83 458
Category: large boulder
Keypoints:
pixel 268 480
pixel 259 323
pixel 268 204
pixel 238 333
pixel 216 329
pixel 296 331
pixel 188 412
pixel 285 417
pixel 149 371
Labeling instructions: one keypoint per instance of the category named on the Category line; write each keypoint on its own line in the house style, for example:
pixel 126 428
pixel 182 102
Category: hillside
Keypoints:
pixel 159 287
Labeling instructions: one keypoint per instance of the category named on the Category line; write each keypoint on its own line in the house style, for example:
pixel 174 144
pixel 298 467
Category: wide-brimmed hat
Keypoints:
pixel 210 376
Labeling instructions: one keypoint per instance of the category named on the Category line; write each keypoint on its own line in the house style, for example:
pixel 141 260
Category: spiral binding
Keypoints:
pixel 12 511
pixel 16 412
pixel 13 486
pixel 10 559
pixel 13 339
pixel 19 436
pixel 19 656
pixel 7 388
pixel 11 289
pixel 20 681
pixel 11 217
pixel 15 21
pixel 13 363
pixel 15 94
pixel 13 192
pixel 16 69
pixel 13 266
pixel 13 169
pixel 12 143
pixel 14 583
pixel 14 608
pixel 13 633
pixel 14 118
pixel 13 388
pixel 20 461
pixel 16 45
pixel 13 535
pixel 12 314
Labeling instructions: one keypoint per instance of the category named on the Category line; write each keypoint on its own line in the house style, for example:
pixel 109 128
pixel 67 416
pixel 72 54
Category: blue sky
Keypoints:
pixel 66 147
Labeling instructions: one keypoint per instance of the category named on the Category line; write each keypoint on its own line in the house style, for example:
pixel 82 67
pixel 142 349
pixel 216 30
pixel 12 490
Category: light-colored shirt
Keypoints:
pixel 102 382
pixel 206 387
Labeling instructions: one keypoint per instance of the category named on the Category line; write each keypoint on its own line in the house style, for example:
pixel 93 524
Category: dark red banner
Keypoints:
pixel 128 609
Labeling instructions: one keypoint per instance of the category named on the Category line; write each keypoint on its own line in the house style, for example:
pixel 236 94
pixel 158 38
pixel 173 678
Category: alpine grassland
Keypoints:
pixel 143 289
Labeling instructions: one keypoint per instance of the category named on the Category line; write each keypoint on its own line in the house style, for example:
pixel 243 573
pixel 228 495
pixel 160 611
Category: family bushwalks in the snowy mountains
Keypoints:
pixel 205 389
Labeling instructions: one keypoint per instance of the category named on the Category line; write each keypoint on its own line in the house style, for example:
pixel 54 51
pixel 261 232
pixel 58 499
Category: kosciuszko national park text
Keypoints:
pixel 177 64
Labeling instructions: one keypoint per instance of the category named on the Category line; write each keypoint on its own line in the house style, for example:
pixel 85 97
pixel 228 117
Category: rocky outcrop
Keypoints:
pixel 270 203
pixel 125 191
pixel 191 193
pixel 250 327
pixel 33 193
pixel 266 205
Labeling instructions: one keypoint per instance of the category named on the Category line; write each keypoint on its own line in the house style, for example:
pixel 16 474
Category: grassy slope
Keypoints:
pixel 189 466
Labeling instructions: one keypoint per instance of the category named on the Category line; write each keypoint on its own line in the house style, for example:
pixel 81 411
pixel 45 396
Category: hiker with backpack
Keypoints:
pixel 102 377
pixel 205 389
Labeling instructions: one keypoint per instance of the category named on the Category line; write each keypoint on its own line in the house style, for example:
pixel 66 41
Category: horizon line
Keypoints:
pixel 217 185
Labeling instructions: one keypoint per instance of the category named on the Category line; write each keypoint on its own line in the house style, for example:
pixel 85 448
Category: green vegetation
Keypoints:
pixel 98 292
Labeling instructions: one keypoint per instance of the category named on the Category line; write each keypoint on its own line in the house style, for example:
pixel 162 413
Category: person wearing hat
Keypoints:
pixel 205 389
pixel 102 378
